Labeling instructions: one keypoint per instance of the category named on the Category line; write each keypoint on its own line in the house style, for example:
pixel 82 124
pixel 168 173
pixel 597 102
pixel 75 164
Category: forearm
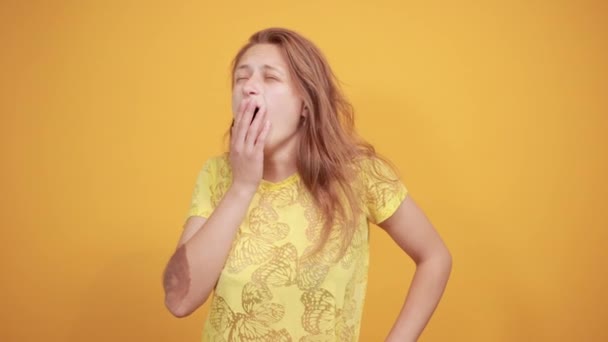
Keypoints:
pixel 428 284
pixel 195 267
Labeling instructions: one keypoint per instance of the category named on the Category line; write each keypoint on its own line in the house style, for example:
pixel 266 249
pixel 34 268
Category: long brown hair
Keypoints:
pixel 329 145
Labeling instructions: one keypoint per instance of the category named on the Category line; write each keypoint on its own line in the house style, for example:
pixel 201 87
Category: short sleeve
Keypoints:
pixel 200 203
pixel 384 190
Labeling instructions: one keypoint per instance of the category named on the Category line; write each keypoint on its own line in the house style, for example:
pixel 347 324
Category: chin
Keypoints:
pixel 273 145
pixel 269 147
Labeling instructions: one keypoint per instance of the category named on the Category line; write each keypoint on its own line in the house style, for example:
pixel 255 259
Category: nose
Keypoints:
pixel 251 87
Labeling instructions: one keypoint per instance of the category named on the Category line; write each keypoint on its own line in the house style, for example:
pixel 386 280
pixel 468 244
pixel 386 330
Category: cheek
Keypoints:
pixel 285 108
pixel 282 126
pixel 235 105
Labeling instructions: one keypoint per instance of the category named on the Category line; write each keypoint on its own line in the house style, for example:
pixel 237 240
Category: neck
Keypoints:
pixel 280 161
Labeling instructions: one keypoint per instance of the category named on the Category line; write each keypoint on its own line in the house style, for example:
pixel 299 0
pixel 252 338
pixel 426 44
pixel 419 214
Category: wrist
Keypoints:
pixel 242 190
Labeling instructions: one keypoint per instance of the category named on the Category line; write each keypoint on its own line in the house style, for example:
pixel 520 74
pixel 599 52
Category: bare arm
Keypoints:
pixel 413 232
pixel 195 267
pixel 206 253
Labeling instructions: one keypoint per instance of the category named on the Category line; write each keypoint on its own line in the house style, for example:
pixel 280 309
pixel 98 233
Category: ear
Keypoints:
pixel 304 111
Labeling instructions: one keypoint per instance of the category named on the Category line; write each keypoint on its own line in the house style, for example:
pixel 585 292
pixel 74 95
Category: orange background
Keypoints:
pixel 495 112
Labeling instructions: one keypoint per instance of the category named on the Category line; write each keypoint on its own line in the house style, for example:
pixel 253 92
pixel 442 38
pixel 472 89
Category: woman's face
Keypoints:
pixel 262 74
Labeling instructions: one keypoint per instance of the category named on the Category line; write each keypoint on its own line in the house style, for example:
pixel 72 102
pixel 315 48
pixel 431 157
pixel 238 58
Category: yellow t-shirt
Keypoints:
pixel 267 290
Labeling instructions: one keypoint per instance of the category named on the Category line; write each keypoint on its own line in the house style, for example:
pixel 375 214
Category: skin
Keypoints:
pixel 262 76
pixel 413 232
pixel 262 80
pixel 177 276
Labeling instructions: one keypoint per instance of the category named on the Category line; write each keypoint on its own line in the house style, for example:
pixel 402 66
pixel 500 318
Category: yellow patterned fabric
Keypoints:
pixel 269 290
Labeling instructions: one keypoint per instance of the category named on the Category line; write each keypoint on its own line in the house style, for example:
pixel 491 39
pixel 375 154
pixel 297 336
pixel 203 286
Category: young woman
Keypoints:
pixel 279 225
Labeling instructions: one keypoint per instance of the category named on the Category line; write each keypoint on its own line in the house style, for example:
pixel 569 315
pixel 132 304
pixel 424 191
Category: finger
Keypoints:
pixel 243 124
pixel 261 140
pixel 236 119
pixel 240 111
pixel 248 113
pixel 256 125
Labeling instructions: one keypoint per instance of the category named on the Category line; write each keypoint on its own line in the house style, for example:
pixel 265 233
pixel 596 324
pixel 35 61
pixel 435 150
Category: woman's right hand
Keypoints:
pixel 247 144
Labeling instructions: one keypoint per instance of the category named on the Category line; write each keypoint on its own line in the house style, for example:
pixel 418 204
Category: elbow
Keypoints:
pixel 446 256
pixel 448 262
pixel 175 307
pixel 440 258
pixel 178 310
pixel 444 259
pixel 185 307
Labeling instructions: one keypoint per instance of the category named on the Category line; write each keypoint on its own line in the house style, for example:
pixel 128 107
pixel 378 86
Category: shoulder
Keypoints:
pixel 381 186
pixel 213 168
pixel 375 167
pixel 378 176
pixel 216 162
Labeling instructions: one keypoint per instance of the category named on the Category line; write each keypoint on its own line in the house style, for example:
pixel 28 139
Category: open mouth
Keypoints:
pixel 255 112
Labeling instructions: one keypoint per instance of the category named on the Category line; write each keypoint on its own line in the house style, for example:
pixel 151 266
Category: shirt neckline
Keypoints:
pixel 284 182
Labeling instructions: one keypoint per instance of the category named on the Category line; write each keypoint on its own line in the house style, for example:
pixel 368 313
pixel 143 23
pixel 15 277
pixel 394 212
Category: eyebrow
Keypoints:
pixel 265 66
